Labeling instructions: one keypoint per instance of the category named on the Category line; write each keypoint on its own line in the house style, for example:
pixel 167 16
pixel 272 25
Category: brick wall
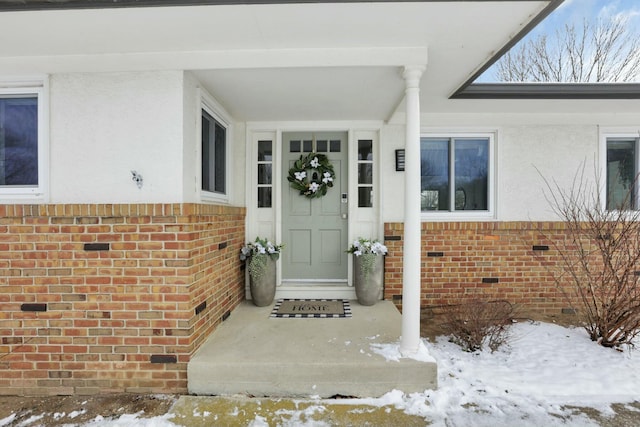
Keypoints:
pixel 103 298
pixel 480 260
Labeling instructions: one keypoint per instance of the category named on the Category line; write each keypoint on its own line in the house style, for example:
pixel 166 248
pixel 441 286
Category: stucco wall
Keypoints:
pixel 103 125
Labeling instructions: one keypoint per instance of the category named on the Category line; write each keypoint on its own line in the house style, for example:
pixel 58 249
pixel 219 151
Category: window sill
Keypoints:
pixel 457 216
pixel 207 196
pixel 21 197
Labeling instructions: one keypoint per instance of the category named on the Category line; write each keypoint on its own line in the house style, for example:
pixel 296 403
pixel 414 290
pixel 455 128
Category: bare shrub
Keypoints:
pixel 599 269
pixel 476 324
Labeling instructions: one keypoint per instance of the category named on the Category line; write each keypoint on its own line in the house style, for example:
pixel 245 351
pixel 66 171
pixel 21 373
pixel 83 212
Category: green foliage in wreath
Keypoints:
pixel 312 175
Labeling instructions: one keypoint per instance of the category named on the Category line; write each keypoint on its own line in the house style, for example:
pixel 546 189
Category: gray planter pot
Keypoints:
pixel 369 283
pixel 263 288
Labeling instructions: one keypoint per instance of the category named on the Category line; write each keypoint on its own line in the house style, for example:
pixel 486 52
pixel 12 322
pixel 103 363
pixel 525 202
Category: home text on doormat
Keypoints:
pixel 311 308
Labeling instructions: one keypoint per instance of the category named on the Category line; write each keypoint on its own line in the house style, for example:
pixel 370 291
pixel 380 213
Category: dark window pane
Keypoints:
pixel 220 159
pixel 264 174
pixel 214 152
pixel 264 197
pixel 19 141
pixel 294 146
pixel 471 177
pixel 434 172
pixel 307 146
pixel 322 146
pixel 207 137
pixel 365 150
pixel 334 146
pixel 365 173
pixel 365 197
pixel 265 151
pixel 621 173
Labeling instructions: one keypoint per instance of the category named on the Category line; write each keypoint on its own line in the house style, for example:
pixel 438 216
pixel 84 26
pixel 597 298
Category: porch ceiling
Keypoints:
pixel 319 61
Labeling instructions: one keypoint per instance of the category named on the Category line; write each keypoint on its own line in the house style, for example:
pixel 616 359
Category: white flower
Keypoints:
pixel 366 246
pixel 378 248
pixel 313 187
pixel 315 163
pixel 327 177
pixel 300 175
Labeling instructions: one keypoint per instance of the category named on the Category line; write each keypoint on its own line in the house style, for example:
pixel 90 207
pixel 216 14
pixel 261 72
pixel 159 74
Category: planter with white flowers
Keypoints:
pixel 368 270
pixel 261 256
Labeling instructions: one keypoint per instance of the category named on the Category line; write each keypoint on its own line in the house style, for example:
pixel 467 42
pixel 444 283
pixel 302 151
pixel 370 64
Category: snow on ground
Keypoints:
pixel 529 382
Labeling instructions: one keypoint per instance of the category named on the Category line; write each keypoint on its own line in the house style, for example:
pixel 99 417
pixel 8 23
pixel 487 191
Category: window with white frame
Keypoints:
pixel 213 152
pixel 456 173
pixel 623 160
pixel 22 157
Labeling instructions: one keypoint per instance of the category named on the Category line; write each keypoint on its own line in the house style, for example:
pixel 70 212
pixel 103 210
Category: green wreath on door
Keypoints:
pixel 312 175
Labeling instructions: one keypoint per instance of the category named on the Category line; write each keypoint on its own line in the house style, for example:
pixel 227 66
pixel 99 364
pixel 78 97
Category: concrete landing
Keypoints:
pixel 251 353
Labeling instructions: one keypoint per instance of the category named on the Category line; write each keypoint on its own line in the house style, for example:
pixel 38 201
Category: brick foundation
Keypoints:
pixel 480 260
pixel 106 298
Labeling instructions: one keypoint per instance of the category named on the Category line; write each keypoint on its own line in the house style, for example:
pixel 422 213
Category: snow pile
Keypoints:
pixel 544 368
pixel 392 352
pixel 132 420
pixel 529 382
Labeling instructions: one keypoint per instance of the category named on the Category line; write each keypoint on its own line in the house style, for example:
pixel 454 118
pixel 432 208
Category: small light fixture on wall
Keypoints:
pixel 137 178
pixel 400 160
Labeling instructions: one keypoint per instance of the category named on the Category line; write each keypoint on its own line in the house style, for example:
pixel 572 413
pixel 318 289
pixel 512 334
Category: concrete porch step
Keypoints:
pixel 253 354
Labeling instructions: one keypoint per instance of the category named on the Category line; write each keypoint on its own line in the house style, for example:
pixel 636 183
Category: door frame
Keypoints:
pixel 267 222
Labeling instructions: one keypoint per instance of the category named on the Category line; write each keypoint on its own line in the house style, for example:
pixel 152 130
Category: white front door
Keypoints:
pixel 315 229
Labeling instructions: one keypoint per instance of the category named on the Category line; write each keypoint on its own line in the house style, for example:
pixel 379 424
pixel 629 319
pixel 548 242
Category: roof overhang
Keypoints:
pixel 549 91
pixel 266 60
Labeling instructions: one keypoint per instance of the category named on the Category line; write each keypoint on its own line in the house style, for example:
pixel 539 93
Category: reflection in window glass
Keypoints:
pixel 365 173
pixel 471 177
pixel 294 146
pixel 434 167
pixel 264 197
pixel 322 146
pixel 365 149
pixel 265 170
pixel 334 146
pixel 365 197
pixel 429 200
pixel 264 151
pixel 264 174
pixel 621 174
pixel 214 152
pixel 19 141
pixel 454 174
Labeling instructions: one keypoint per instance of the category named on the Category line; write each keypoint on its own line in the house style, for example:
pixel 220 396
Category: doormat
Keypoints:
pixel 311 308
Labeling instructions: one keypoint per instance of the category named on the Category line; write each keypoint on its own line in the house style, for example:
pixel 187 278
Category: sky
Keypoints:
pixel 576 10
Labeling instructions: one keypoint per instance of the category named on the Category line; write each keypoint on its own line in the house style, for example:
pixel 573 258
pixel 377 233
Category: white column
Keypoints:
pixel 410 341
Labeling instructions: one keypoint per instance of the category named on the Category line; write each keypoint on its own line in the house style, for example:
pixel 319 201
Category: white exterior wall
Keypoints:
pixel 555 145
pixel 191 150
pixel 104 125
pixel 191 136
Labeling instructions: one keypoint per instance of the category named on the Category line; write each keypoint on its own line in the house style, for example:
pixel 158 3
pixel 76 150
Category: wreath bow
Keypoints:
pixel 312 175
